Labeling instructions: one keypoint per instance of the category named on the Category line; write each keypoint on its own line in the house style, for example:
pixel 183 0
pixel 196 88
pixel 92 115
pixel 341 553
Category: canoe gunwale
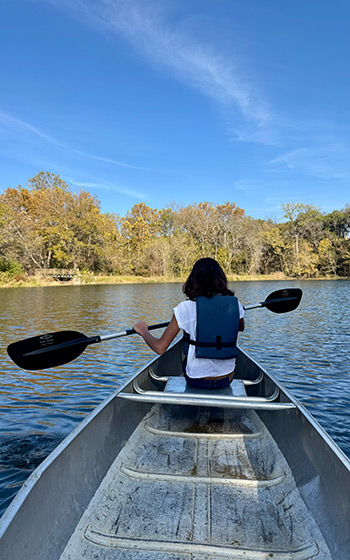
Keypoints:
pixel 305 413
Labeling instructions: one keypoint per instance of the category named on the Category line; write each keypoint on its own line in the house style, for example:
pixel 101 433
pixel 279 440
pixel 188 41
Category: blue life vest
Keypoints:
pixel 217 327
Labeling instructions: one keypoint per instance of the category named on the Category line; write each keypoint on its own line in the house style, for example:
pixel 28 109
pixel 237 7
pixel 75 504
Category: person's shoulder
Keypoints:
pixel 241 309
pixel 186 305
pixel 184 312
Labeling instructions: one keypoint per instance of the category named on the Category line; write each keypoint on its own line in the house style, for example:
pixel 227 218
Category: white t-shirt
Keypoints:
pixel 186 317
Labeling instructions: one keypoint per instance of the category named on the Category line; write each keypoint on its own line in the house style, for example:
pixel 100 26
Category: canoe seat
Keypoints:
pixel 176 391
pixel 164 378
pixel 179 385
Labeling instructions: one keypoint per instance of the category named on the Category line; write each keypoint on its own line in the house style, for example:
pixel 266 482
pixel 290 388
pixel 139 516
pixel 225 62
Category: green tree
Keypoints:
pixel 338 222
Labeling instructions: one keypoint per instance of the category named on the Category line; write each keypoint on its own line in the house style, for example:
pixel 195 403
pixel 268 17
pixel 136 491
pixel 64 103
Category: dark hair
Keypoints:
pixel 206 279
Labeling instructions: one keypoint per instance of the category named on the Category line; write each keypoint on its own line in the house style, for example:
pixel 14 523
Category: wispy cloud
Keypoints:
pixel 269 133
pixel 147 27
pixel 12 123
pixel 281 192
pixel 247 186
pixel 170 43
pixel 106 187
pixel 330 161
pixel 103 159
pixel 9 121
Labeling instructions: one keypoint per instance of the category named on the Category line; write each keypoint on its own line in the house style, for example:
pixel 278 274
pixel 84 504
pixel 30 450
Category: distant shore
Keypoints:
pixel 90 279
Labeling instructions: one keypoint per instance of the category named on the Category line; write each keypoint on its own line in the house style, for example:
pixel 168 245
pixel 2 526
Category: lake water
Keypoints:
pixel 308 350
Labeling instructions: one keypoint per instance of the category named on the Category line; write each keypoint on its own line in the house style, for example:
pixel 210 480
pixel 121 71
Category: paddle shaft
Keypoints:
pixel 267 302
pixel 131 331
pixel 92 339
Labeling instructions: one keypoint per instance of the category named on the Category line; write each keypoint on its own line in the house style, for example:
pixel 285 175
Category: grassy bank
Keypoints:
pixel 86 279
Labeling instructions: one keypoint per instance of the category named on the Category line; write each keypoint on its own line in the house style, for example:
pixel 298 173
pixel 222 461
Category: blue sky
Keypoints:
pixel 181 101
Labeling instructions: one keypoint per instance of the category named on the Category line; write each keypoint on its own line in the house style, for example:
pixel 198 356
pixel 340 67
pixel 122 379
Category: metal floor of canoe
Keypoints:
pixel 196 483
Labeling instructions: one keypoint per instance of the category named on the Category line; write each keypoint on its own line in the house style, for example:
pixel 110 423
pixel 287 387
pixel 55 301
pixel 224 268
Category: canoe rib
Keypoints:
pixel 190 550
pixel 203 479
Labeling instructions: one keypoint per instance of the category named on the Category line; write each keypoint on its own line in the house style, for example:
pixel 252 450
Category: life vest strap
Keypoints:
pixel 218 344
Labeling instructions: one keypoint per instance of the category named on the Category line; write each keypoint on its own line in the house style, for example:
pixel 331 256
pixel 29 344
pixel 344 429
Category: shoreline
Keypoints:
pixel 86 280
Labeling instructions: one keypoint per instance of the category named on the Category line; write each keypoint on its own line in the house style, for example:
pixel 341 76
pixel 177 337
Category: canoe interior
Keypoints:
pixel 140 480
pixel 198 483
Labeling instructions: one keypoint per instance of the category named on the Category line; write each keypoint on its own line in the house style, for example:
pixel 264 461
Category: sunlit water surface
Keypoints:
pixel 308 350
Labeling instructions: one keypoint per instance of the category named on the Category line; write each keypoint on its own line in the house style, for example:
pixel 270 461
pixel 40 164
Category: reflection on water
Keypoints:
pixel 308 350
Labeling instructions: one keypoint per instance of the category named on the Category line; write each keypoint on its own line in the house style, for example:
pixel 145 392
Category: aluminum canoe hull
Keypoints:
pixel 43 516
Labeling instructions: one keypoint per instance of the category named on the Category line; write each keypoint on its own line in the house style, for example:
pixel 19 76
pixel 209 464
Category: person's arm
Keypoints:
pixel 241 317
pixel 158 345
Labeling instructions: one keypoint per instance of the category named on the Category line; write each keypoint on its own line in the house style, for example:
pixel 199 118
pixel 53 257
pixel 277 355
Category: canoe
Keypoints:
pixel 160 471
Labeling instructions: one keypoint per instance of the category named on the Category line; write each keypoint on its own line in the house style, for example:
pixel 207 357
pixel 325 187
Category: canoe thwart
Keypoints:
pixel 199 400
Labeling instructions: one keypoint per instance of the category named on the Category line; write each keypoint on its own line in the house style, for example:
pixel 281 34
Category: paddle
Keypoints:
pixel 280 301
pixel 58 348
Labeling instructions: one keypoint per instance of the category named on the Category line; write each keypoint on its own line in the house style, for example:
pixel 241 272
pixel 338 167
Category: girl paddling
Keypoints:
pixel 210 319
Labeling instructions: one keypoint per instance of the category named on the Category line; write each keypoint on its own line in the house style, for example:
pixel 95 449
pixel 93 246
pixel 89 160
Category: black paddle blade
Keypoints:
pixel 48 350
pixel 283 300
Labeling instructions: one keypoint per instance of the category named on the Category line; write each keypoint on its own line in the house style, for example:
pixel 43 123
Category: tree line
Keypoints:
pixel 45 225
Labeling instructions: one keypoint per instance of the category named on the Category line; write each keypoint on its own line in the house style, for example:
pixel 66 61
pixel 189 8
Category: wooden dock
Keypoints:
pixel 61 274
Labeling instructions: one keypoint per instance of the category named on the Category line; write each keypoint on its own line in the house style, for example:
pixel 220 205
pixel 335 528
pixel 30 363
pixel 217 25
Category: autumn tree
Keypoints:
pixel 276 250
pixel 19 238
pixel 138 228
pixel 304 227
pixel 216 229
pixel 45 225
